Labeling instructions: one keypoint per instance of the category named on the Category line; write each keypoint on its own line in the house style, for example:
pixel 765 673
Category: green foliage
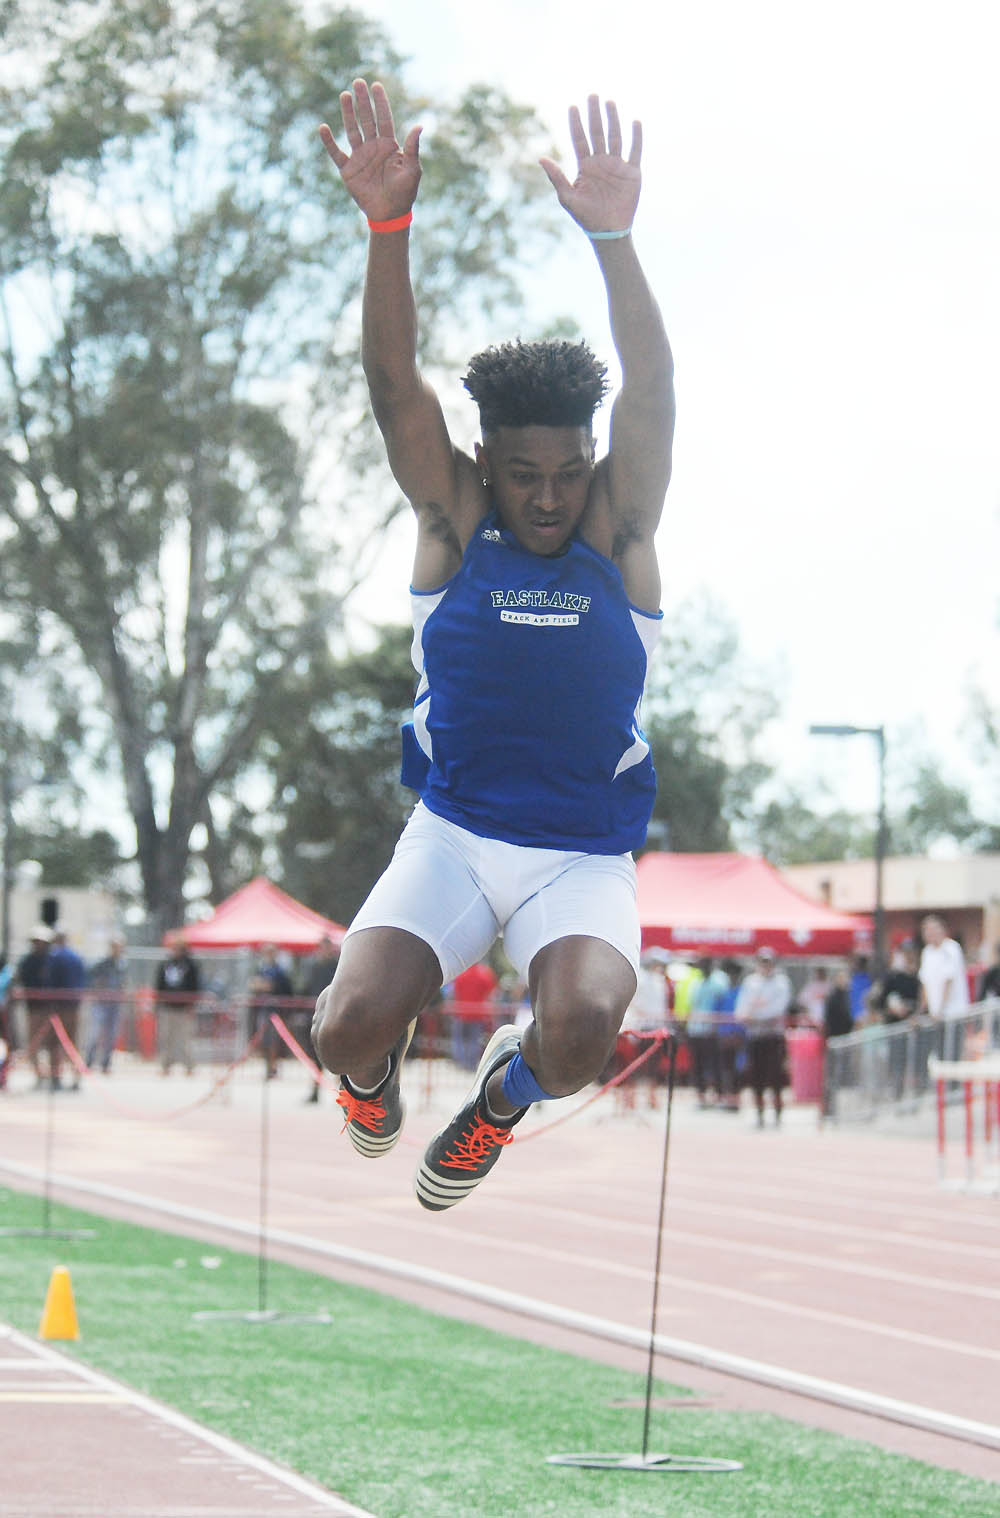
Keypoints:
pixel 936 810
pixel 925 810
pixel 70 856
pixel 337 779
pixel 788 830
pixel 180 274
pixel 703 713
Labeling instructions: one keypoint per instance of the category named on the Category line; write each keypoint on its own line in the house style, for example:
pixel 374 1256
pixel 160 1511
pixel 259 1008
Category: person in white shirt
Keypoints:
pixel 944 989
pixel 649 1008
pixel 761 1006
pixel 812 997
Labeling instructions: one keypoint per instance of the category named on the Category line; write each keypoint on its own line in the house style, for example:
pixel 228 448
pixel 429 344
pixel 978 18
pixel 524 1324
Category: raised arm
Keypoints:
pixel 603 200
pixel 383 179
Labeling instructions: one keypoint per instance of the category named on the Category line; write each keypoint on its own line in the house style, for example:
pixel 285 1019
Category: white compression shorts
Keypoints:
pixel 458 891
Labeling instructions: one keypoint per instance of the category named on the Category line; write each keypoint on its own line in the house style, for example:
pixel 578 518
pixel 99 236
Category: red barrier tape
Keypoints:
pixel 75 1058
pixel 72 1052
pixel 656 1042
pixel 292 1043
pixel 317 1074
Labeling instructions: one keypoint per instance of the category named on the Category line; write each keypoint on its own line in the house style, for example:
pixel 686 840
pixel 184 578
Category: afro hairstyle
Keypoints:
pixel 554 383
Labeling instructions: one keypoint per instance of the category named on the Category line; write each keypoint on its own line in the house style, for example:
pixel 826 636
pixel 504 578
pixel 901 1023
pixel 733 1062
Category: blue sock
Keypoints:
pixel 520 1086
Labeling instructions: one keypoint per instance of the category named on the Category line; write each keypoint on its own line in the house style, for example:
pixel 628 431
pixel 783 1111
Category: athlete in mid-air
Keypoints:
pixel 536 604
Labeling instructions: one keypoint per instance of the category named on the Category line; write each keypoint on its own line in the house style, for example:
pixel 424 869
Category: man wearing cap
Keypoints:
pixel 761 1006
pixel 32 979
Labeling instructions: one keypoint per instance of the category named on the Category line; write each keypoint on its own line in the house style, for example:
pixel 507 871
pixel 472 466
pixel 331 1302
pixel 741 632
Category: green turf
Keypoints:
pixel 415 1416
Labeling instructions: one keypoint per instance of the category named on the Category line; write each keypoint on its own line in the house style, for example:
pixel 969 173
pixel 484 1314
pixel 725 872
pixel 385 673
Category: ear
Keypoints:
pixel 483 462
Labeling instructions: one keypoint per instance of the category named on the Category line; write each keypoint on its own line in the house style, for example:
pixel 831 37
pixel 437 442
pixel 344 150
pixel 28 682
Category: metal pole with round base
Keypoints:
pixel 646 1461
pixel 262 1314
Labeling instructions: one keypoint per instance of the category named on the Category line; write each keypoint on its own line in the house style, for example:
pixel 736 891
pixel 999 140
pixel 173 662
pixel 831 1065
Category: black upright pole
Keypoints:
pixel 701 1464
pixel 881 848
pixel 672 1060
pixel 262 1242
pixel 50 1128
pixel 262 1315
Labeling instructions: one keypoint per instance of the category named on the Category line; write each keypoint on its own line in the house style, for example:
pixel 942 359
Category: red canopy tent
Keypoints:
pixel 260 914
pixel 736 904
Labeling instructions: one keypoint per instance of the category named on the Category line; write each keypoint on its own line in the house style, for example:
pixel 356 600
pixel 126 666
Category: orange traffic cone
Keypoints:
pixel 59 1312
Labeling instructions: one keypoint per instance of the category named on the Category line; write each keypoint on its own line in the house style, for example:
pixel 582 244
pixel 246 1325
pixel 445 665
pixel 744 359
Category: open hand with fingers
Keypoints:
pixel 604 195
pixel 382 177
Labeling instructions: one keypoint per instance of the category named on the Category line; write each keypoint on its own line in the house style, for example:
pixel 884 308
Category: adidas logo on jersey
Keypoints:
pixel 491 535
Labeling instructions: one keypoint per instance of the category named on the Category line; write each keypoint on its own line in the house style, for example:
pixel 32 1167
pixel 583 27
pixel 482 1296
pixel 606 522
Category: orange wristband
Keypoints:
pixel 396 225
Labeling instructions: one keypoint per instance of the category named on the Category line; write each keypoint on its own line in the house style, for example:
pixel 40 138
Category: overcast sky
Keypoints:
pixel 821 223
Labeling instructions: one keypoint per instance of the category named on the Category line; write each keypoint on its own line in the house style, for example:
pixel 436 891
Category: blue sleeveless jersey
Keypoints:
pixel 526 717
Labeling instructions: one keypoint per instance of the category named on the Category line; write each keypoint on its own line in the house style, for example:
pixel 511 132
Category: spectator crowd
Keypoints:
pixel 731 1016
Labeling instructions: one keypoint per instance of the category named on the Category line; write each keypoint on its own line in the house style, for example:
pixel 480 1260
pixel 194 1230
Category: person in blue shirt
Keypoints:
pixel 67 978
pixel 536 605
pixel 271 988
pixel 861 984
pixel 108 979
pixel 6 1039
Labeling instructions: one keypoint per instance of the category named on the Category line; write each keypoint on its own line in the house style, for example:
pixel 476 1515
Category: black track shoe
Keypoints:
pixel 461 1155
pixel 374 1122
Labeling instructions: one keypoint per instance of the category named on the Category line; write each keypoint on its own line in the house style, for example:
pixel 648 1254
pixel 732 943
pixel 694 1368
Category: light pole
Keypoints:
pixel 7 859
pixel 842 730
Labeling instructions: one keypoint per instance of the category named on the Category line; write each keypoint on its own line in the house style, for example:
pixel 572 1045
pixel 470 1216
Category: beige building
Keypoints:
pixel 89 917
pixel 965 892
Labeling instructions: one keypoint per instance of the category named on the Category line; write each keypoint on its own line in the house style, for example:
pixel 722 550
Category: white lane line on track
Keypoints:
pixel 946 1214
pixel 920 1201
pixel 416 1223
pixel 814 1262
pixel 900 1237
pixel 594 1264
pixel 592 1261
pixel 103 1388
pixel 682 1350
pixel 855 1398
pixel 529 1249
pixel 75 1398
pixel 771 1174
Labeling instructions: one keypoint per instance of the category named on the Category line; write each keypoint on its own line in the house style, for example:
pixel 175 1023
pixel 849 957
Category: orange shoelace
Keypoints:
pixel 370 1114
pixel 474 1147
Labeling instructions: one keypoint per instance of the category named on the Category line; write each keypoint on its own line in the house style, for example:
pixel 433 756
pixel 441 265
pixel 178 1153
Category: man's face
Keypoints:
pixel 539 478
pixel 933 931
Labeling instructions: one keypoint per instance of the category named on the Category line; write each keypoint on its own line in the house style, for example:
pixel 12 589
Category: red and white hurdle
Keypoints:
pixel 976 1076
